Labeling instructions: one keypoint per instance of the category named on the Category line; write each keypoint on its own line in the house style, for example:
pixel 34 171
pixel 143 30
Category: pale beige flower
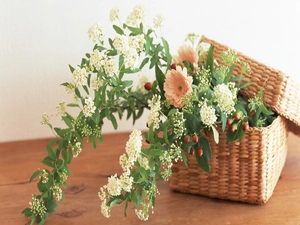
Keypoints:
pixel 186 53
pixel 177 85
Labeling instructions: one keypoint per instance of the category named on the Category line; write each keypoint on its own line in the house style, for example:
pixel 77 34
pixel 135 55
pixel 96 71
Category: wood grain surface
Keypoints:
pixel 90 171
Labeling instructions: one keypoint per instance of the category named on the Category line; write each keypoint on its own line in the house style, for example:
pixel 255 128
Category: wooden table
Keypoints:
pixel 90 171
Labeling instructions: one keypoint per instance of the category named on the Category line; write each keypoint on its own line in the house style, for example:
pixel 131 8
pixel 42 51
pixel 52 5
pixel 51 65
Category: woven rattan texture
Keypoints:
pixel 281 92
pixel 246 170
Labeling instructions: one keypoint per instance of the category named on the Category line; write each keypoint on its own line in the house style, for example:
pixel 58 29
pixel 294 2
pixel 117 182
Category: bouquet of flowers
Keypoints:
pixel 192 94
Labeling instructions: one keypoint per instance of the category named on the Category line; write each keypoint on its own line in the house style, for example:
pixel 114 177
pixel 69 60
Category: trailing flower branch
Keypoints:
pixel 191 95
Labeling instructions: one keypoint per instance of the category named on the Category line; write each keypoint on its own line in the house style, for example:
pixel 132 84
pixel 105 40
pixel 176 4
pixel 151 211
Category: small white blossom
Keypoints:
pixel 137 15
pixel 110 66
pixel 105 210
pixel 37 207
pixel 45 119
pixel 57 192
pixel 77 149
pixel 44 176
pixel 79 76
pixel 114 14
pixel 96 59
pixel 114 186
pixel 223 96
pixel 137 42
pixel 125 163
pixel 153 117
pixel 97 83
pixel 130 58
pixel 134 145
pixel 142 214
pixel 208 115
pixel 61 109
pixel 95 33
pixel 158 21
pixel 89 108
pixel 126 182
pixel 144 162
pixel 121 43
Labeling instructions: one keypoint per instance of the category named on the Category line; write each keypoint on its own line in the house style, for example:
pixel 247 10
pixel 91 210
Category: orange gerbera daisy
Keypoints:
pixel 177 85
pixel 187 53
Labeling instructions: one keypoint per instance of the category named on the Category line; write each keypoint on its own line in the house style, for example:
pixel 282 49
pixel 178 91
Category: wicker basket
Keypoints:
pixel 246 170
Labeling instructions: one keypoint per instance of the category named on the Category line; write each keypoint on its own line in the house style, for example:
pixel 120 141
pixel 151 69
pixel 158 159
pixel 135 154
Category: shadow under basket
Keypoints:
pixel 246 170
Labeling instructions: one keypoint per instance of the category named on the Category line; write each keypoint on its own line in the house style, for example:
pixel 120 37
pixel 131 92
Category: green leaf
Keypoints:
pixel 118 30
pixel 160 77
pixel 152 152
pixel 134 30
pixel 77 92
pixel 73 105
pixel 144 62
pixel 34 175
pixel 114 121
pixel 233 136
pixel 67 121
pixel 210 59
pixel 192 123
pixel 71 69
pixel 115 201
pixel 93 141
pixel 48 161
pixel 224 120
pixel 229 74
pixel 50 152
pixel 167 51
pixel 27 212
pixel 216 134
pixel 203 161
pixel 129 70
pixel 86 89
pixel 127 83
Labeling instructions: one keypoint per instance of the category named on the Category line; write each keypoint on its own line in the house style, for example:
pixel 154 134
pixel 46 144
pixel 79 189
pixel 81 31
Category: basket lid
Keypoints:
pixel 281 92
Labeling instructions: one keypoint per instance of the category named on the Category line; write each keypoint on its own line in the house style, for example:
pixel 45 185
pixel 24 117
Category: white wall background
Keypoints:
pixel 39 38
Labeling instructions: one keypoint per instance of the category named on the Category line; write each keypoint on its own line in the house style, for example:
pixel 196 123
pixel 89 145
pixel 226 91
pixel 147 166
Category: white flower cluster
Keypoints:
pixel 116 185
pixel 45 119
pixel 79 76
pixel 229 57
pixel 178 123
pixel 149 195
pixel 89 108
pixel 100 60
pixel 61 109
pixel 114 14
pixel 129 47
pixel 158 21
pixel 225 98
pixel 37 207
pixel 207 114
pixel 137 15
pixel 44 176
pixel 77 149
pixel 134 146
pixel 57 192
pixel 95 33
pixel 97 83
pixel 153 117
